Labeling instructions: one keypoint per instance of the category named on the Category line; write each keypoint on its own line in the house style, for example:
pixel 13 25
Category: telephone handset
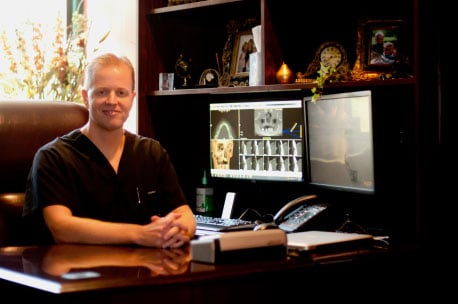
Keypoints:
pixel 298 212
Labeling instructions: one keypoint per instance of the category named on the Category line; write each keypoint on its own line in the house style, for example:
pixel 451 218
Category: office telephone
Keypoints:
pixel 298 212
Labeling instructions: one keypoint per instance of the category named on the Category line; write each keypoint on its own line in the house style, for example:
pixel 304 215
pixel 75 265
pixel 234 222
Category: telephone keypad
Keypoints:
pixel 301 215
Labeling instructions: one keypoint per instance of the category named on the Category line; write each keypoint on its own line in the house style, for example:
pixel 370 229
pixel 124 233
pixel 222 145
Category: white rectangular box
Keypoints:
pixel 255 73
pixel 237 245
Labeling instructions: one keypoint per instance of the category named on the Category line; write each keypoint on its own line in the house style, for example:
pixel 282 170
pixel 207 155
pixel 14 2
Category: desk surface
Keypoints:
pixel 75 268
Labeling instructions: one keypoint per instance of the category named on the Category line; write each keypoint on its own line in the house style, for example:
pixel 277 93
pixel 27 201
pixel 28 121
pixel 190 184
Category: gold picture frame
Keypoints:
pixel 387 57
pixel 240 36
pixel 243 47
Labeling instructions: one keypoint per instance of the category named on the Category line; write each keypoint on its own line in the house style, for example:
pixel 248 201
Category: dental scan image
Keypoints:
pixel 257 140
pixel 268 122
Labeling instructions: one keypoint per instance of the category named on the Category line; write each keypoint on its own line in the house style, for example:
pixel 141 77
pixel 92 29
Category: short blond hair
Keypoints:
pixel 104 60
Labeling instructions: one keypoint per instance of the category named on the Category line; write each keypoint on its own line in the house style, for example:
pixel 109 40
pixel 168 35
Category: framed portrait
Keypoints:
pixel 243 47
pixel 381 49
pixel 236 53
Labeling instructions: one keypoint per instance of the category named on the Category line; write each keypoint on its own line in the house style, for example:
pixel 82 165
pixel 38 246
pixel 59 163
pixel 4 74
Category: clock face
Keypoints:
pixel 209 77
pixel 331 56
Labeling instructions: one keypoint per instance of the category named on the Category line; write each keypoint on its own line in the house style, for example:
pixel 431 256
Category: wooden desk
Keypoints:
pixel 108 274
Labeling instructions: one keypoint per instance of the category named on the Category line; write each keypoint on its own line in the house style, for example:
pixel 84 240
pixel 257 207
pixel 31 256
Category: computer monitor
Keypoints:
pixel 340 141
pixel 257 140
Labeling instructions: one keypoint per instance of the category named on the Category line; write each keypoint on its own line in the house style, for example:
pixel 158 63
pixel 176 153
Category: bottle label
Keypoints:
pixel 204 200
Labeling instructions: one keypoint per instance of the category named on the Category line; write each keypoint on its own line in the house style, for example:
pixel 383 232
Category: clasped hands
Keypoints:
pixel 165 232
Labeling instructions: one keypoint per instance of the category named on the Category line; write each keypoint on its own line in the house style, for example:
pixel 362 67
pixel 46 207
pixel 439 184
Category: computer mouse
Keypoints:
pixel 265 226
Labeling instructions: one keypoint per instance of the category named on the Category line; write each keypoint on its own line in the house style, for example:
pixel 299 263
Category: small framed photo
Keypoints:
pixel 236 53
pixel 243 47
pixel 382 48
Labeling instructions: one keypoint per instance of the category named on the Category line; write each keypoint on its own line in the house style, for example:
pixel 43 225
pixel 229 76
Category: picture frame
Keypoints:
pixel 240 36
pixel 390 55
pixel 243 47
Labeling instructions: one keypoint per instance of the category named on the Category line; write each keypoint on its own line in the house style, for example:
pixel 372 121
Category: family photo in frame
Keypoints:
pixel 236 53
pixel 381 48
pixel 384 46
pixel 243 47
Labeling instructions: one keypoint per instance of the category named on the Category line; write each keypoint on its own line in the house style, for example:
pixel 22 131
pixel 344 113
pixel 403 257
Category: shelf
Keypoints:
pixel 189 6
pixel 284 87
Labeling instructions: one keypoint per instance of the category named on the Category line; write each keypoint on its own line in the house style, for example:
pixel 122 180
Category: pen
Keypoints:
pixel 138 196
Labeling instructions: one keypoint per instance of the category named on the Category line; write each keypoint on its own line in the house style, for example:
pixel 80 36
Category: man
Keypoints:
pixel 388 56
pixel 103 185
pixel 377 47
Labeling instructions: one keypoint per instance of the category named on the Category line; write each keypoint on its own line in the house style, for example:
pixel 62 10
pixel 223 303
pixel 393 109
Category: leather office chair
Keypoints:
pixel 24 127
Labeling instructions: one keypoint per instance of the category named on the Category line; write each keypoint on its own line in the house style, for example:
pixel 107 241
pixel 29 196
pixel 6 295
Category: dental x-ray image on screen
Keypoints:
pixel 257 140
pixel 268 122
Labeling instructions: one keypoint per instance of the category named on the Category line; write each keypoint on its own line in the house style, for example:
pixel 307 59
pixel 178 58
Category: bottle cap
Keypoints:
pixel 204 178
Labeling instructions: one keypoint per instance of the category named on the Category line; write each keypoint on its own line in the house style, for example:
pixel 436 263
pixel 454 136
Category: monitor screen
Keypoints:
pixel 257 140
pixel 340 141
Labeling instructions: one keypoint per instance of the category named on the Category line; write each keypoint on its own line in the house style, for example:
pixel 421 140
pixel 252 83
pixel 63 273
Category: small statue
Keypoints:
pixel 183 69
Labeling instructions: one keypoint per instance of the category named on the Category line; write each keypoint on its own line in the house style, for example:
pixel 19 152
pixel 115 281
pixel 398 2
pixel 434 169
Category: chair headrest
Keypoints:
pixel 27 125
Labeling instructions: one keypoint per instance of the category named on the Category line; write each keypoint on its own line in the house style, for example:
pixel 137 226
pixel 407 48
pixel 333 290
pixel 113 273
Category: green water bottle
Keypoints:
pixel 204 197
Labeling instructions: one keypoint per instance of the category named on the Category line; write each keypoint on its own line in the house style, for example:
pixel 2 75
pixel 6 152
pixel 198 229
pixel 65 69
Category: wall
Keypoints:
pixel 121 19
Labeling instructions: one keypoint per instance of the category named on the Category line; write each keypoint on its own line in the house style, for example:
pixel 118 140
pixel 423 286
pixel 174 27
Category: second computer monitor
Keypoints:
pixel 340 141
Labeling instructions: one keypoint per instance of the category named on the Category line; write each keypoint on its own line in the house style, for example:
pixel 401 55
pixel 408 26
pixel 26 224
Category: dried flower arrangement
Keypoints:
pixel 34 75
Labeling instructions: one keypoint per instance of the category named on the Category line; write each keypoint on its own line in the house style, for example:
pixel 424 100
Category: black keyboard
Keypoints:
pixel 222 224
